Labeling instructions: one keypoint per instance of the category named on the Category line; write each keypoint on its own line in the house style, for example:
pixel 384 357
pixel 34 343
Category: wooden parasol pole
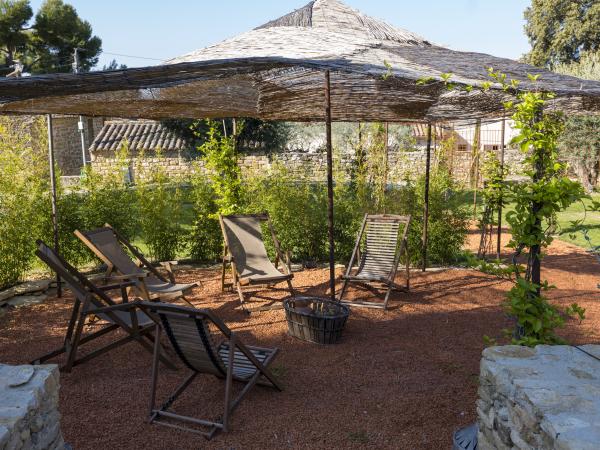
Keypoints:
pixel 329 183
pixel 53 196
pixel 499 237
pixel 426 201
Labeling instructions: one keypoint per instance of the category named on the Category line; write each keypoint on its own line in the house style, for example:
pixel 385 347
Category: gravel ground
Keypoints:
pixel 401 379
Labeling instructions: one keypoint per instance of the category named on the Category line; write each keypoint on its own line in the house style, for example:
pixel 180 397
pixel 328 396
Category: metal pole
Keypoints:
pixel 426 205
pixel 80 124
pixel 53 196
pixel 386 155
pixel 502 139
pixel 330 183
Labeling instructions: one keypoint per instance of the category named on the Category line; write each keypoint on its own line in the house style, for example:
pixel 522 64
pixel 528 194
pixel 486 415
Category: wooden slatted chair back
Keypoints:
pixel 381 245
pixel 77 283
pixel 105 243
pixel 190 335
pixel 244 239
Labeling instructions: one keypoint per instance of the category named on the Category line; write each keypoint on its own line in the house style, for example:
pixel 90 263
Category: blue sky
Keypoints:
pixel 163 29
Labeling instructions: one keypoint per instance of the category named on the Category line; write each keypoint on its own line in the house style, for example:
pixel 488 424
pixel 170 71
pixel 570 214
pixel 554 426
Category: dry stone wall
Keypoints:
pixel 305 164
pixel 29 417
pixel 547 397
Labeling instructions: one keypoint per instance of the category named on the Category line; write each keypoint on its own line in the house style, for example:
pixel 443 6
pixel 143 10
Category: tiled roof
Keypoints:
pixel 140 134
pixel 420 130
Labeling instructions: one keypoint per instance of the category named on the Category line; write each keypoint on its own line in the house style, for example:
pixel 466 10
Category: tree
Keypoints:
pixel 271 135
pixel 58 31
pixel 14 17
pixel 560 30
pixel 48 44
pixel 580 142
pixel 114 65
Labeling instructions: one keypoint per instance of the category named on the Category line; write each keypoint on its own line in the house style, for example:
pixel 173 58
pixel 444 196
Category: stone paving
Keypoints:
pixel 29 417
pixel 546 397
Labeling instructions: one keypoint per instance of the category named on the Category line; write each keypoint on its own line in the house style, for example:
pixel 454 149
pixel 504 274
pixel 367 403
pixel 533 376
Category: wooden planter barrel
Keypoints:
pixel 315 319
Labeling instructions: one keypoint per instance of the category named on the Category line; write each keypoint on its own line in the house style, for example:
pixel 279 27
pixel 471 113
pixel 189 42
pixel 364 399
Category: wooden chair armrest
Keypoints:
pixel 168 266
pixel 112 287
pixel 120 307
pixel 125 277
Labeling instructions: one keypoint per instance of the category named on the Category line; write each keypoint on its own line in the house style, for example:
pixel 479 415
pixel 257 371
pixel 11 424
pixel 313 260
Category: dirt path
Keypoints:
pixel 402 379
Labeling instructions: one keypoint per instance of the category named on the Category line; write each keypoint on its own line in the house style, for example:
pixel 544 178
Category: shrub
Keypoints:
pixel 159 203
pixel 205 240
pixel 448 219
pixel 298 211
pixel 101 197
pixel 23 192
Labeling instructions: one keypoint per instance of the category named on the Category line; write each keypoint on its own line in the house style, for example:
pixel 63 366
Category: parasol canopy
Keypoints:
pixel 275 72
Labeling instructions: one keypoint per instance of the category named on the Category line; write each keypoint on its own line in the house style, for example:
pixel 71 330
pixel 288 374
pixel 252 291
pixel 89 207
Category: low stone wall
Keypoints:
pixel 546 397
pixel 311 165
pixel 29 417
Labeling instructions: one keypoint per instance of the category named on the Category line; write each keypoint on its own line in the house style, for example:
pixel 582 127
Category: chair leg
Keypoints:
pixel 343 291
pixel 242 299
pixel 155 364
pixel 72 351
pixel 407 273
pixel 291 288
pixel 228 385
pixel 187 301
pixel 387 297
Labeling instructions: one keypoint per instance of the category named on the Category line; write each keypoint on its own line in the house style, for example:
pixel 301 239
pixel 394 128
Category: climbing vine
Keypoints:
pixel 220 155
pixel 536 203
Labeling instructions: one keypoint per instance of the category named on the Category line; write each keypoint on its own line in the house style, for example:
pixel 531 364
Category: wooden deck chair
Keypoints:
pixel 89 299
pixel 245 250
pixel 205 345
pixel 379 247
pixel 108 245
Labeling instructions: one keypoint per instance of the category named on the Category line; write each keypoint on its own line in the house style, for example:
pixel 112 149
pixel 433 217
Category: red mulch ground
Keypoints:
pixel 405 378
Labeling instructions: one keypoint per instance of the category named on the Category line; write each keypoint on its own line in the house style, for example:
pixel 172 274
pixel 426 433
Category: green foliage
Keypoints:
pixel 205 240
pixel 108 198
pixel 48 44
pixel 579 144
pixel 298 210
pixel 23 191
pixel 159 204
pixel 299 213
pixel 448 219
pixel 560 30
pixel 493 175
pixel 536 204
pixel 221 158
pixel 14 16
pixel 250 132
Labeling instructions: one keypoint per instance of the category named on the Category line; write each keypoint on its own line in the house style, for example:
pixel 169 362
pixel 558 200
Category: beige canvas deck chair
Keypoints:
pixel 381 241
pixel 89 301
pixel 245 250
pixel 108 245
pixel 205 345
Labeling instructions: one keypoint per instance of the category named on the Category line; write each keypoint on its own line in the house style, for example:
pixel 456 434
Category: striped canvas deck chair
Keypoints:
pixel 381 242
pixel 205 345
pixel 244 250
pixel 109 246
pixel 90 300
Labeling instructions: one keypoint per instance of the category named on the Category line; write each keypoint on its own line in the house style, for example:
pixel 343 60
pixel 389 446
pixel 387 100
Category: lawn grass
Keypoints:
pixel 566 231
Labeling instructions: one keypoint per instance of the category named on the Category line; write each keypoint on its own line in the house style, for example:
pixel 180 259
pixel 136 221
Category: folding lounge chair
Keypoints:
pixel 89 300
pixel 193 334
pixel 378 250
pixel 107 244
pixel 245 250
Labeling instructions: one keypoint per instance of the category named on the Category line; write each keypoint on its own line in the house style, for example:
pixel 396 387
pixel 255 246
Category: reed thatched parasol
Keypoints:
pixel 276 71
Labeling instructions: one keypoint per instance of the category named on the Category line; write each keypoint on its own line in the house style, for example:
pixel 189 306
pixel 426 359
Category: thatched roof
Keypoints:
pixel 139 135
pixel 276 72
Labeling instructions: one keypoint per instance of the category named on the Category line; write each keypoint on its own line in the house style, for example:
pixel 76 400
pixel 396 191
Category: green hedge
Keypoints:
pixel 178 218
